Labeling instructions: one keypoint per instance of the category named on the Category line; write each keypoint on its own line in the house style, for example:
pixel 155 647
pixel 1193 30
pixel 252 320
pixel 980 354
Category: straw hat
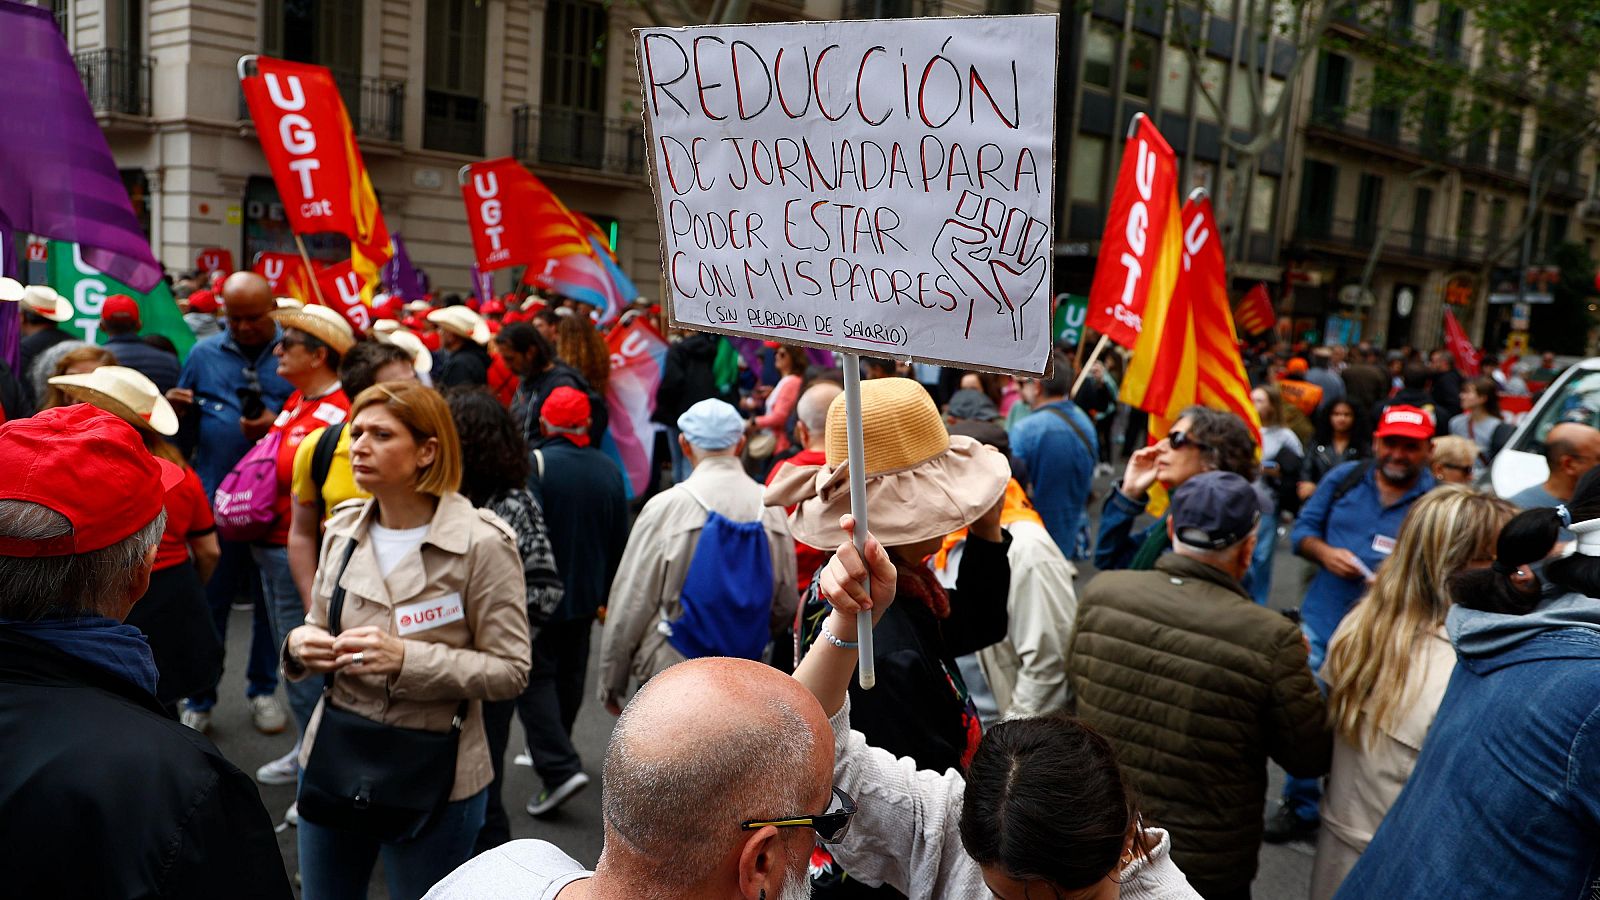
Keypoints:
pixel 462 322
pixel 922 482
pixel 10 289
pixel 321 323
pixel 43 301
pixel 386 331
pixel 289 303
pixel 124 392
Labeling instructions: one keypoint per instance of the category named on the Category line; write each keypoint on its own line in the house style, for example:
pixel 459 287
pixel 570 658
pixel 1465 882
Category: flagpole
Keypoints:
pixel 311 273
pixel 866 667
pixel 1093 358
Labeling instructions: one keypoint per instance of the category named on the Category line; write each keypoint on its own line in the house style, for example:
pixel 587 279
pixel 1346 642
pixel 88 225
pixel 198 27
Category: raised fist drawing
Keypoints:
pixel 994 251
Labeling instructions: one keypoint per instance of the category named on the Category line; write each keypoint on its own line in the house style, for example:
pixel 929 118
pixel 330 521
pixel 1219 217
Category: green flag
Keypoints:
pixel 1071 312
pixel 87 288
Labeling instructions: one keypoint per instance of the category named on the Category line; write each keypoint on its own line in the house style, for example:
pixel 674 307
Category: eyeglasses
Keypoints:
pixel 1178 440
pixel 829 825
pixel 1455 467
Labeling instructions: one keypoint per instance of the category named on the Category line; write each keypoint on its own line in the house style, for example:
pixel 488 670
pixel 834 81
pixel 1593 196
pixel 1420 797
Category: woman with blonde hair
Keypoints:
pixel 1453 458
pixel 80 360
pixel 1388 666
pixel 417 617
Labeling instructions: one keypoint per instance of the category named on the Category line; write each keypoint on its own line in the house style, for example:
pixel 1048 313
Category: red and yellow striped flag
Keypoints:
pixel 1254 314
pixel 1187 353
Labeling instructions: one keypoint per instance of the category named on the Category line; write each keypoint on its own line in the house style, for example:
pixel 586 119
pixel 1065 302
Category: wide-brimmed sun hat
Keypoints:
pixel 922 482
pixel 388 331
pixel 288 303
pixel 462 322
pixel 321 323
pixel 44 302
pixel 10 289
pixel 124 392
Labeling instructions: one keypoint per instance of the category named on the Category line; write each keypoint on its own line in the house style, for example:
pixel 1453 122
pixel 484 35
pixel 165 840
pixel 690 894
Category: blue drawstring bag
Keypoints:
pixel 727 595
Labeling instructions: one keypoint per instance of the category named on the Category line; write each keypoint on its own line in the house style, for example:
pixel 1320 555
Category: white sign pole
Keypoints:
pixel 866 667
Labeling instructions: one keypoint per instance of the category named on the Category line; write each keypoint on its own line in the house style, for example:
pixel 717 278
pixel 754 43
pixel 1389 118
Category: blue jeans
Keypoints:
pixel 337 865
pixel 288 613
pixel 1304 795
pixel 236 575
pixel 1259 578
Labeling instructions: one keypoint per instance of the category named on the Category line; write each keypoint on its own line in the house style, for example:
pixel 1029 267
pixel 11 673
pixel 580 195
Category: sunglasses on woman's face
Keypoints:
pixel 1178 440
pixel 829 825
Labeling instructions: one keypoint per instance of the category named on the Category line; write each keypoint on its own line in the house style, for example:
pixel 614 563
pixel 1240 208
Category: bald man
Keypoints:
pixel 229 392
pixel 705 747
pixel 1570 450
pixel 811 431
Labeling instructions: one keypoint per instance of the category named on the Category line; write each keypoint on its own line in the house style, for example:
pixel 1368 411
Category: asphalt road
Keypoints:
pixel 1284 874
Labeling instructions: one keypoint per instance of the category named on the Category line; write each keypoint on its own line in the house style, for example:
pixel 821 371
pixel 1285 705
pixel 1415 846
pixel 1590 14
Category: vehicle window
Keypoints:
pixel 1576 400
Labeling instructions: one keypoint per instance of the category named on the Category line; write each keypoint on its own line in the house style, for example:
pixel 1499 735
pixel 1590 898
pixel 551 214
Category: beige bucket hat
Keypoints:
pixel 922 482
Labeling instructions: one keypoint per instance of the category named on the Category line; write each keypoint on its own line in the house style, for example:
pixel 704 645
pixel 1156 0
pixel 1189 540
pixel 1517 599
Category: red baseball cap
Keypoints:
pixel 567 408
pixel 1406 421
pixel 120 308
pixel 203 301
pixel 89 466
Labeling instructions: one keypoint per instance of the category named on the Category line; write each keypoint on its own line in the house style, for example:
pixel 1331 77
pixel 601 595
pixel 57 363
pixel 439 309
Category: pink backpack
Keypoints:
pixel 246 500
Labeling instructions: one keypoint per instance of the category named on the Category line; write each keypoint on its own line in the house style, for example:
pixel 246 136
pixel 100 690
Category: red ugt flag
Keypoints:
pixel 1139 253
pixel 1468 359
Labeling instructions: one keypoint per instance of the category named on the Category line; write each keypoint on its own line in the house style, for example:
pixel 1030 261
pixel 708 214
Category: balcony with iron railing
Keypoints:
pixel 117 82
pixel 1356 237
pixel 581 140
pixel 376 106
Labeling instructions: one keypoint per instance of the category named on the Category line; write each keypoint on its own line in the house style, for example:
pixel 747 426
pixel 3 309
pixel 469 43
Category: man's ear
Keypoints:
pixel 761 864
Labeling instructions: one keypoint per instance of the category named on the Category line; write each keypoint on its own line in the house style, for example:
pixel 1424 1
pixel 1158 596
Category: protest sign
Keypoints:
pixel 879 187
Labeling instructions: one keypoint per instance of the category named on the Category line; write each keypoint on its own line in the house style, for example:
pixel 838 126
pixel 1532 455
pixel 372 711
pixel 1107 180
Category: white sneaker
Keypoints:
pixel 199 720
pixel 283 770
pixel 292 815
pixel 548 801
pixel 525 758
pixel 267 714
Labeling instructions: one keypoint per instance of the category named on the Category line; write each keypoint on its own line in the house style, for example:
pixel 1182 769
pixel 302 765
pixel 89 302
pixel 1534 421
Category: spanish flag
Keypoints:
pixel 1187 353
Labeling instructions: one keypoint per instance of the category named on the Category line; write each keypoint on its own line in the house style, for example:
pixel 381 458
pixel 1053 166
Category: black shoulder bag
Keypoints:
pixel 380 781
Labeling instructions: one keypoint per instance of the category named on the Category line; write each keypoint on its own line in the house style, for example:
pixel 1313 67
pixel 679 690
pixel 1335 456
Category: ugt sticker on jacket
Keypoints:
pixel 425 614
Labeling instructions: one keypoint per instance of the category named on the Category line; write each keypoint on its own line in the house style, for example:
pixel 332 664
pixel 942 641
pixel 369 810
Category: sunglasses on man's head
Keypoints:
pixel 830 825
pixel 1178 440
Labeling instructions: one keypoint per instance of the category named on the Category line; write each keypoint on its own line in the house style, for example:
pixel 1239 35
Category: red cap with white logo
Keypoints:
pixel 1406 421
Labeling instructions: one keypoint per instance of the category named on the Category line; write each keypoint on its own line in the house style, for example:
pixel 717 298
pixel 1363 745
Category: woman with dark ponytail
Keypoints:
pixel 1505 797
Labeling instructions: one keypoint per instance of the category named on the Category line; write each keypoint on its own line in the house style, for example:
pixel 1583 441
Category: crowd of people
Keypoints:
pixel 430 532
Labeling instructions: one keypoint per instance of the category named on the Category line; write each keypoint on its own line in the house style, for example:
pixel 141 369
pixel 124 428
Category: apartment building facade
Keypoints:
pixel 431 85
pixel 1438 189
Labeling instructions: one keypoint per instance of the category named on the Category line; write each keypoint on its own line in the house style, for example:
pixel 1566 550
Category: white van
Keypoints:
pixel 1573 397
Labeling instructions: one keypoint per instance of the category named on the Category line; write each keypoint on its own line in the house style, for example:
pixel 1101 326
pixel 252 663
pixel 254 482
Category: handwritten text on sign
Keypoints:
pixel 883 187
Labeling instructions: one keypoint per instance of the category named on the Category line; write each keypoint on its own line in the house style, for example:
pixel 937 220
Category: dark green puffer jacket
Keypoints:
pixel 1196 686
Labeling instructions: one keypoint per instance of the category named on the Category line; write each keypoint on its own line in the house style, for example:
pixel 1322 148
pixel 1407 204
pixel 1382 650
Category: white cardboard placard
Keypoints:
pixel 884 187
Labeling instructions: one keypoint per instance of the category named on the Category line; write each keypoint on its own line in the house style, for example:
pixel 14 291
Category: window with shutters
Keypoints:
pixel 453 111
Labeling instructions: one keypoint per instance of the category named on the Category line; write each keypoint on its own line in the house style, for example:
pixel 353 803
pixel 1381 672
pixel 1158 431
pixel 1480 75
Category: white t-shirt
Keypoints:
pixel 520 870
pixel 394 545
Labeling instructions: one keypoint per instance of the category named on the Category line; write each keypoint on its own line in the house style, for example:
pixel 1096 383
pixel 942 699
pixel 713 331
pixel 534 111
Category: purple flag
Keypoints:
pixel 482 284
pixel 10 313
pixel 59 179
pixel 402 278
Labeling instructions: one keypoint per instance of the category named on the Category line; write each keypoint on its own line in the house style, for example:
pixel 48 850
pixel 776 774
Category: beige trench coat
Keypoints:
pixel 480 652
